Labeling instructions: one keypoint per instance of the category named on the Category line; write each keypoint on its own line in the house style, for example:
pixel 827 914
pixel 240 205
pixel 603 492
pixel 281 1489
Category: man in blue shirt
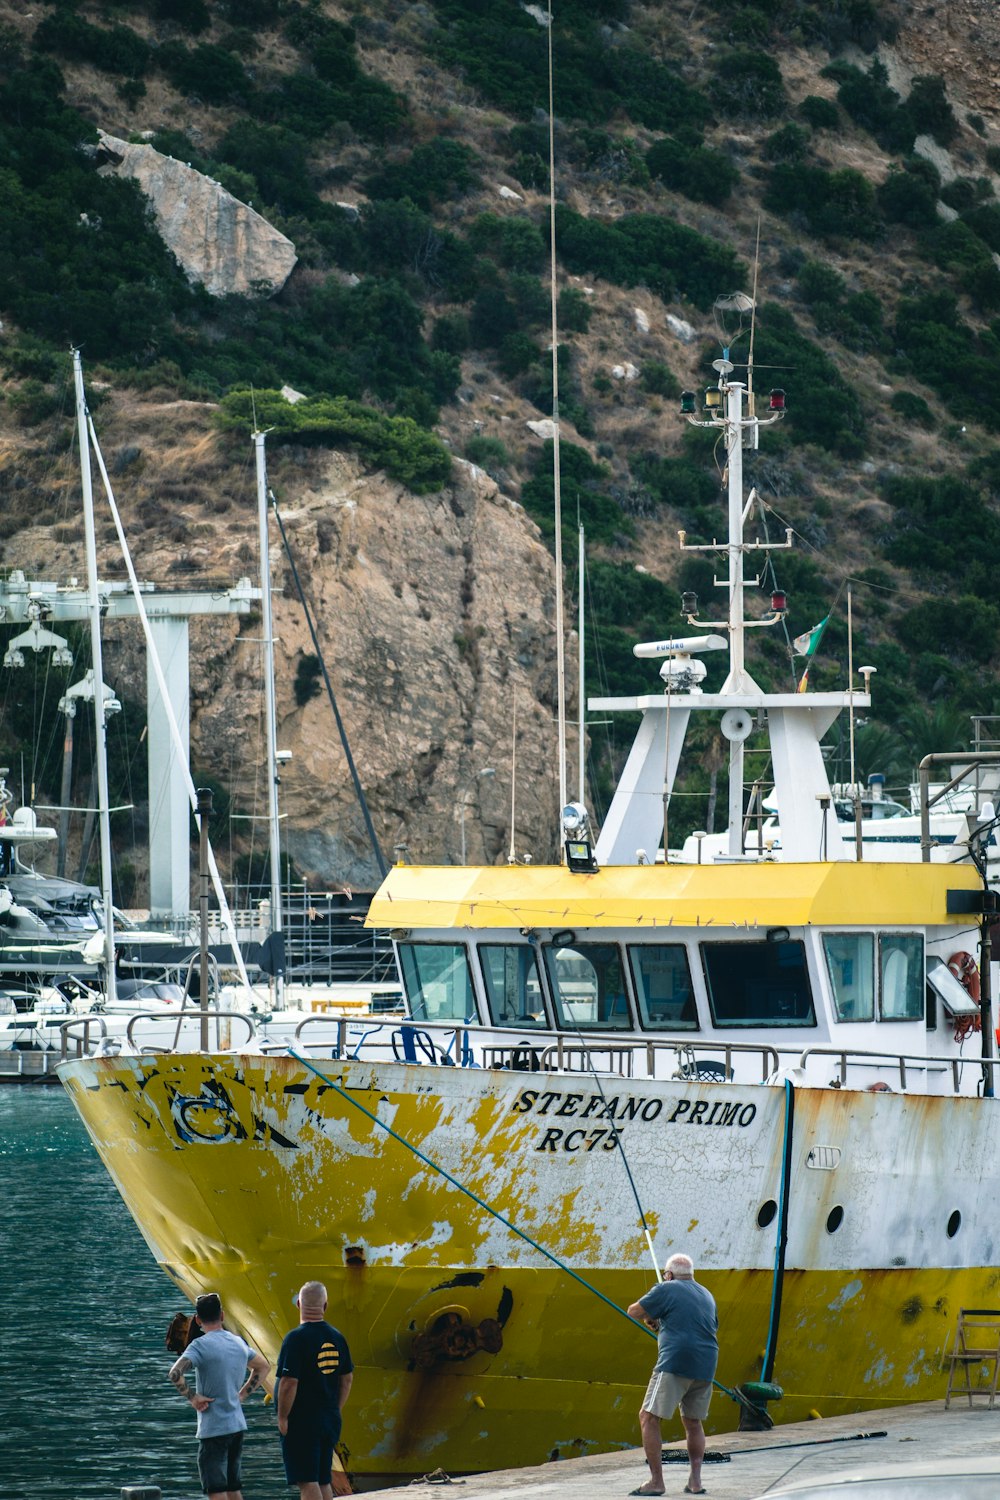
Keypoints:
pixel 221 1360
pixel 683 1313
pixel 315 1374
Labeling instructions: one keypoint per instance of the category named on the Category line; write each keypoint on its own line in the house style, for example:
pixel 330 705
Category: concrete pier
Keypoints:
pixel 758 1461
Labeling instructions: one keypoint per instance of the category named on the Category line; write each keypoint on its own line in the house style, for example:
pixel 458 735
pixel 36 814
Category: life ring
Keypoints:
pixel 966 971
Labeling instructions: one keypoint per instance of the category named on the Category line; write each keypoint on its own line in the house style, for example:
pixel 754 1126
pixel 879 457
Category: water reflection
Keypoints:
pixel 86 1403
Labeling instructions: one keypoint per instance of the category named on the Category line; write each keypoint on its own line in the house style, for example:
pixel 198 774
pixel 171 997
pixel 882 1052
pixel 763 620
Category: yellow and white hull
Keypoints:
pixel 477 1348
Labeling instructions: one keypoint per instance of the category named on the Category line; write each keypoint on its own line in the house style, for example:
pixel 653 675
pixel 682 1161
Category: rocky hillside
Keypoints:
pixel 350 201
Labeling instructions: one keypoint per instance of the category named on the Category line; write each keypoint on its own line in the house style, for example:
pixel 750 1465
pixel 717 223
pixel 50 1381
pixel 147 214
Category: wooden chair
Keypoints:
pixel 977 1348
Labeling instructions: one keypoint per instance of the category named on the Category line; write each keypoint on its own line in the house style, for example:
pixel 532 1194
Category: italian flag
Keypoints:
pixel 807 644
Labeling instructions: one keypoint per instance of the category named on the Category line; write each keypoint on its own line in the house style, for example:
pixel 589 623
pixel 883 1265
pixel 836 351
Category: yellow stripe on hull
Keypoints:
pixel 251 1175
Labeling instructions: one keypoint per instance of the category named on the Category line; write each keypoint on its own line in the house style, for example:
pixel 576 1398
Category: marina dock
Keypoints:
pixel 758 1461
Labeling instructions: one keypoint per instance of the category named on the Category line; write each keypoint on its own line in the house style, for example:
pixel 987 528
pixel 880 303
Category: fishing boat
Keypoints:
pixel 777 1059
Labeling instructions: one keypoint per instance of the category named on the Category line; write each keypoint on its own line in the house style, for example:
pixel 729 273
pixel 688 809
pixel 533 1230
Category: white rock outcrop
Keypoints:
pixel 219 241
pixel 681 329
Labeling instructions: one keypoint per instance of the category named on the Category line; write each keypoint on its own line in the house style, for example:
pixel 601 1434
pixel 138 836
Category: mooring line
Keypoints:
pixel 436 1167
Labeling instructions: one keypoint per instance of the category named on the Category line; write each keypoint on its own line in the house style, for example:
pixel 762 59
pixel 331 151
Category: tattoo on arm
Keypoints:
pixel 177 1373
pixel 251 1381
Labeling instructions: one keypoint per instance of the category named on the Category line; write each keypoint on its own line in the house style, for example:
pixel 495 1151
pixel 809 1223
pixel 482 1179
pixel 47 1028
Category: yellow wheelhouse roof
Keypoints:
pixel 833 894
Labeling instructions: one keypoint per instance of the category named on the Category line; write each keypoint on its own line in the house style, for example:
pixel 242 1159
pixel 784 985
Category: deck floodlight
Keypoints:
pixel 776 400
pixel 689 602
pixel 580 857
pixel 688 406
pixel 713 400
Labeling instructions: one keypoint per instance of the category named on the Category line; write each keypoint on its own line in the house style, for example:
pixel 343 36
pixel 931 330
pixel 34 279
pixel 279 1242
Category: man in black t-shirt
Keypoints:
pixel 315 1374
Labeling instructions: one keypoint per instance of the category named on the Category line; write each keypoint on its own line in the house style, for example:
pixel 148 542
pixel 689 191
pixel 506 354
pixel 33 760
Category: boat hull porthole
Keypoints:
pixel 834 1219
pixel 766 1213
pixel 954 1224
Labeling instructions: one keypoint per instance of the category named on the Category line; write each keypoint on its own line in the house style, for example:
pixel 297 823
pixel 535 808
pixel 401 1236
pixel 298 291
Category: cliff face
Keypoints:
pixel 434 617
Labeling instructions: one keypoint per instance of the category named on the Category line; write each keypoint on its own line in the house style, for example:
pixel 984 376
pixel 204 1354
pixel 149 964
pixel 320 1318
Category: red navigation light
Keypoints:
pixel 776 401
pixel 779 601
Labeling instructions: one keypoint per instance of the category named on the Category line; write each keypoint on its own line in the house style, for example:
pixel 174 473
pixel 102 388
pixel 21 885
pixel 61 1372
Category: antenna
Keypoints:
pixel 556 478
pixel 511 852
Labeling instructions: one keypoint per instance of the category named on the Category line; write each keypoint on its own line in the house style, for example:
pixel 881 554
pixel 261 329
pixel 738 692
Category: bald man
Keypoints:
pixel 684 1316
pixel 315 1374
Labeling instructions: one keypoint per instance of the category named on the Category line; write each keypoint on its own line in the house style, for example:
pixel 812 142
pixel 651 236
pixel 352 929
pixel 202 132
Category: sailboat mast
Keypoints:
pixel 581 678
pixel 556 470
pixel 270 713
pixel 97 663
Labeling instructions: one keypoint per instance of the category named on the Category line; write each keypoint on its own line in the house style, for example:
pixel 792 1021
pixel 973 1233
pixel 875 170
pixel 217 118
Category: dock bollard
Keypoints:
pixel 141 1492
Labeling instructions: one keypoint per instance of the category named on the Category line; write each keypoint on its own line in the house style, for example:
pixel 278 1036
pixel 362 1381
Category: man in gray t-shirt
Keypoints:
pixel 221 1360
pixel 684 1316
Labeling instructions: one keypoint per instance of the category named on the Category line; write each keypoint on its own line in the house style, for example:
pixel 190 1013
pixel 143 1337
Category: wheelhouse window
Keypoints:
pixel 513 986
pixel 758 984
pixel 850 962
pixel 437 981
pixel 901 976
pixel 588 984
pixel 661 975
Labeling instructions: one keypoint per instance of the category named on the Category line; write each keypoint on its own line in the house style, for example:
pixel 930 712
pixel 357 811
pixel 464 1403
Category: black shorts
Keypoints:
pixel 307 1452
pixel 219 1462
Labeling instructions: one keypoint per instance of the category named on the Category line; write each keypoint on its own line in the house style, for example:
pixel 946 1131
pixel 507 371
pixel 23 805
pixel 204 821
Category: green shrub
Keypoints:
pixel 307 679
pixel 927 105
pixel 515 243
pixel 114 49
pixel 954 247
pixel 516 354
pixel 985 222
pixel 699 172
pixel 645 249
pixel 750 83
pixel 614 158
pixel 583 488
pixel 820 113
pixel 451 333
pixel 908 198
pixel 965 192
pixel 659 379
pixel 489 454
pixel 925 627
pixel 190 15
pixel 992 155
pixel 832 204
pixel 206 71
pixel 914 408
pixel 947 355
pixel 397 444
pixel 823 408
pixel 502 54
pixel 790 143
pixel 573 310
pixel 438 170
pixel 685 486
pixel 820 283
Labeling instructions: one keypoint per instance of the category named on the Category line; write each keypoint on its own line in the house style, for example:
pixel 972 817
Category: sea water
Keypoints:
pixel 85 1403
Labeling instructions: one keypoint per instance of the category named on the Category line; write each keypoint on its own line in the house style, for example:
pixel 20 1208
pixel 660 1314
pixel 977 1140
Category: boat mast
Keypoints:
pixel 581 697
pixel 270 715
pixel 97 662
pixel 556 473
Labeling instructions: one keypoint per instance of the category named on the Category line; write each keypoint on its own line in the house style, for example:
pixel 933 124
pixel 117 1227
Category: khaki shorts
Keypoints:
pixel 666 1392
